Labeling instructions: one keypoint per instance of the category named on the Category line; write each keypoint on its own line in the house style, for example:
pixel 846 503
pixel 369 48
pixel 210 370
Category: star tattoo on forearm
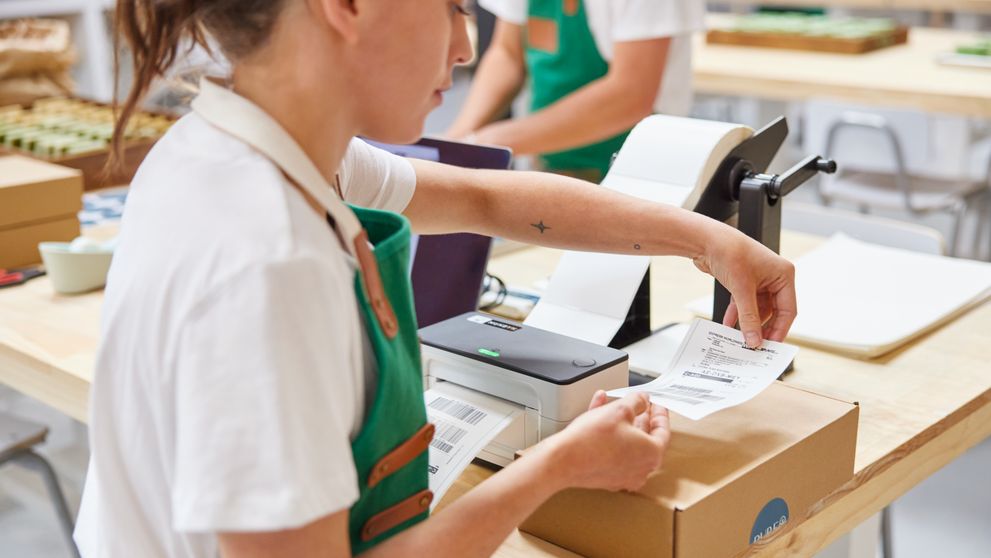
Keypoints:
pixel 540 226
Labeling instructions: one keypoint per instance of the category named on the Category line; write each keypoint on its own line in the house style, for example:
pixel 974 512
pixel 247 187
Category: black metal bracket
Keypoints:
pixel 741 186
pixel 759 196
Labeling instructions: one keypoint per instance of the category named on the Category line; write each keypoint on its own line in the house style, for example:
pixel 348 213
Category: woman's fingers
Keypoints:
pixel 598 399
pixel 748 314
pixel 764 312
pixel 632 406
pixel 785 310
pixel 642 422
pixel 660 424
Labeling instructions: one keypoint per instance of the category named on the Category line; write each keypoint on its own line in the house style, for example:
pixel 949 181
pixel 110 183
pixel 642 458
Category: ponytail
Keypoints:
pixel 153 31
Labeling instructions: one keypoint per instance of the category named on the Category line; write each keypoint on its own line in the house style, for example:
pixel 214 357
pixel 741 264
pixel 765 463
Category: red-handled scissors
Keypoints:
pixel 11 277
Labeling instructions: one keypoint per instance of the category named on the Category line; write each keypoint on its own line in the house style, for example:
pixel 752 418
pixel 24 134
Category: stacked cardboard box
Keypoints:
pixel 38 202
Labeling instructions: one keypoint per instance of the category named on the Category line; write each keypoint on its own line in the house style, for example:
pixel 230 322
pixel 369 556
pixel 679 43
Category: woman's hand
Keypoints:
pixel 614 446
pixel 761 282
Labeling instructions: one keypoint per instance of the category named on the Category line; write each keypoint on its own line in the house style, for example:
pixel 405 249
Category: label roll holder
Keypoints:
pixel 742 186
pixel 739 187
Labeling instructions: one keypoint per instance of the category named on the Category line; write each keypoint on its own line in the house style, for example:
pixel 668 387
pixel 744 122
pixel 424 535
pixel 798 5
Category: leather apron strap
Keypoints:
pixel 244 120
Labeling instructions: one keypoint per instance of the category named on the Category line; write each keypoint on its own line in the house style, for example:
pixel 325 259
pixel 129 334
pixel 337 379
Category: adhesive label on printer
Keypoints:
pixel 464 426
pixel 484 320
pixel 773 517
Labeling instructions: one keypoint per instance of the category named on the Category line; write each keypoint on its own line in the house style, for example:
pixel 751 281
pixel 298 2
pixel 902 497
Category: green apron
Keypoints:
pixel 390 452
pixel 555 75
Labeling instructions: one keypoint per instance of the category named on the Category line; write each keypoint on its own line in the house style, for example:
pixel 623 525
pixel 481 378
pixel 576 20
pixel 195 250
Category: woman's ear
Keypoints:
pixel 341 15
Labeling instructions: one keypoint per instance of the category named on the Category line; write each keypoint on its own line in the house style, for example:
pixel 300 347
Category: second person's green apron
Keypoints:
pixel 559 72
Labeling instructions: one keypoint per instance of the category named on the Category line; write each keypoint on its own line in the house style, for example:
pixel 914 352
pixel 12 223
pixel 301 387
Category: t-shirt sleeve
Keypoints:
pixel 636 20
pixel 266 400
pixel 512 11
pixel 374 178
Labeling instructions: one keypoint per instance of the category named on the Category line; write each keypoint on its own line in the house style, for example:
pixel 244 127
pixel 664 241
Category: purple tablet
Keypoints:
pixel 448 269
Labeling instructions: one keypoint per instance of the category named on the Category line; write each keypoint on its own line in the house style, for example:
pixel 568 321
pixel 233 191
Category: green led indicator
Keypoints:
pixel 489 352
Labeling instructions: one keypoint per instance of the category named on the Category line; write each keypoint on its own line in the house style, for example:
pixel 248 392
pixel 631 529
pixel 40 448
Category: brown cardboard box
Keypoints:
pixel 737 476
pixel 38 202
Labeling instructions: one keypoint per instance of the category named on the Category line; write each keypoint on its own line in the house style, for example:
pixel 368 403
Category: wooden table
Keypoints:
pixel 974 6
pixel 921 406
pixel 905 75
pixel 48 341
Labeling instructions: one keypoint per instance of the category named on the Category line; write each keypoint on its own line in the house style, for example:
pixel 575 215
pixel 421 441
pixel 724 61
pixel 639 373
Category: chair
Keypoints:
pixel 900 160
pixel 18 437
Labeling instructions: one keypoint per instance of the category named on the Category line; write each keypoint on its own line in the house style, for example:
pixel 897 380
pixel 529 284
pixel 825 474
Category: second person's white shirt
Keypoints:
pixel 617 21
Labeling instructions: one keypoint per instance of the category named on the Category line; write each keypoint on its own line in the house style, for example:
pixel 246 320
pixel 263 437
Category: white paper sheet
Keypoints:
pixel 464 428
pixel 863 299
pixel 589 295
pixel 714 370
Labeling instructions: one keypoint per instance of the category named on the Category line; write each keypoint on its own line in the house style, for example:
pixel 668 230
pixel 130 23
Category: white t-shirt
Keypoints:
pixel 231 378
pixel 617 21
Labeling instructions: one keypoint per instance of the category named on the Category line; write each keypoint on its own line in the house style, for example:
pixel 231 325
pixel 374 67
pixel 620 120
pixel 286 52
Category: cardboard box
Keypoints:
pixel 38 202
pixel 732 479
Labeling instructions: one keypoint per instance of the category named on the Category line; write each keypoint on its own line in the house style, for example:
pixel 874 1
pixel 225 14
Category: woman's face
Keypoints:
pixel 408 49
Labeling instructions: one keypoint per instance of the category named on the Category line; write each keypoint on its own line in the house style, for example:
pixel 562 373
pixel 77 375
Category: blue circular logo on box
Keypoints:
pixel 773 517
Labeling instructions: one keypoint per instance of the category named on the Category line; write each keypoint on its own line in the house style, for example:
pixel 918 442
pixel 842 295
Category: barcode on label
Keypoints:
pixel 688 394
pixel 680 387
pixel 682 399
pixel 461 411
pixel 442 446
pixel 446 435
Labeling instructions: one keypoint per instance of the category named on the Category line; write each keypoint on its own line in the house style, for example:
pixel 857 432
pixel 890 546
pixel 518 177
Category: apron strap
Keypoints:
pixel 244 120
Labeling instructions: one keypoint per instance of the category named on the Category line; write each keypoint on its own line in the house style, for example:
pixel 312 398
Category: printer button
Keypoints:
pixel 583 362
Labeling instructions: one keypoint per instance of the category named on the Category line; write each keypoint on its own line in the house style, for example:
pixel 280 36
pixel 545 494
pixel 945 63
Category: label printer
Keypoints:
pixel 549 377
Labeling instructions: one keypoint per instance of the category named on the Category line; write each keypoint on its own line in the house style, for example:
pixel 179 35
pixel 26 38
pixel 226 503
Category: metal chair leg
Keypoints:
pixel 886 550
pixel 984 222
pixel 35 462
pixel 983 216
pixel 959 214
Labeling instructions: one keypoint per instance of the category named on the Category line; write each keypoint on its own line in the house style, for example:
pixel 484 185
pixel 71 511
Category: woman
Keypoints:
pixel 258 389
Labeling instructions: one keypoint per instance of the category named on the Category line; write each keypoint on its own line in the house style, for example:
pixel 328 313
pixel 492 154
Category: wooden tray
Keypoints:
pixel 93 163
pixel 898 36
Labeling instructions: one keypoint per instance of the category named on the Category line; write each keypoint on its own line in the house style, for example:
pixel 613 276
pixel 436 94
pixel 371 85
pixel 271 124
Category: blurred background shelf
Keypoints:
pixel 90 21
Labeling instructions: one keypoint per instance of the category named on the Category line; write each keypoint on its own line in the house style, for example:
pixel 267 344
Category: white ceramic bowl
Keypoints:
pixel 72 271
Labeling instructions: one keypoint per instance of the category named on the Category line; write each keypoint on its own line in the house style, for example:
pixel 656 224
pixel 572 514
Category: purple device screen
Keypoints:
pixel 447 269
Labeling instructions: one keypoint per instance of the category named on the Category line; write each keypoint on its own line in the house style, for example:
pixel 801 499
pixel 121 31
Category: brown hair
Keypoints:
pixel 153 30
